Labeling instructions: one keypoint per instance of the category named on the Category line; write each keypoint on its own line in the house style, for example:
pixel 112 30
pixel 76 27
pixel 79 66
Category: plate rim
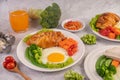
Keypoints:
pixel 53 70
pixel 87 59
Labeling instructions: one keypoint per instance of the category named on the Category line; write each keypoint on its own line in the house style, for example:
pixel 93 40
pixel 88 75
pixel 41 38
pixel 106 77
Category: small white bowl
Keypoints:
pixel 73 19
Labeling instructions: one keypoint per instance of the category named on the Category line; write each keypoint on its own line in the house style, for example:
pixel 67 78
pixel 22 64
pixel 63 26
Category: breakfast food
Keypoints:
pixel 46 39
pixel 107 24
pixel 50 49
pixel 108 65
pixel 107 19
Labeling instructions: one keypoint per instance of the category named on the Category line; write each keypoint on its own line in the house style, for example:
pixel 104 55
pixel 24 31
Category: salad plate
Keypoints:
pixel 76 57
pixel 106 26
pixel 90 62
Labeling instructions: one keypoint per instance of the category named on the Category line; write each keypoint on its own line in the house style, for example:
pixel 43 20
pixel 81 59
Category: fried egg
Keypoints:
pixel 54 55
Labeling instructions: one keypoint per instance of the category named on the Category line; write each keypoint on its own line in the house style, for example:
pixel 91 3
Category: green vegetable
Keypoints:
pixel 50 16
pixel 89 39
pixel 99 65
pixel 112 69
pixel 104 68
pixel 93 23
pixel 72 75
pixel 45 30
pixel 26 38
pixel 34 13
pixel 110 72
pixel 60 65
pixel 100 59
pixel 33 54
pixel 108 62
pixel 118 37
pixel 108 77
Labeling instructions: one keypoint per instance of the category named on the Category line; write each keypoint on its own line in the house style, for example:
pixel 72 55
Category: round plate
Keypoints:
pixel 77 56
pixel 105 37
pixel 90 61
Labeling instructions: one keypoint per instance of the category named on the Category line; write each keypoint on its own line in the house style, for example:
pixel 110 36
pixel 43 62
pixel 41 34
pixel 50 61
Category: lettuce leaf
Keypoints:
pixel 26 38
pixel 60 65
pixel 93 23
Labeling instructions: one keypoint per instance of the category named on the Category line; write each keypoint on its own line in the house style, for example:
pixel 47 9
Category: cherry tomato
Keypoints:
pixel 4 64
pixel 9 59
pixel 10 65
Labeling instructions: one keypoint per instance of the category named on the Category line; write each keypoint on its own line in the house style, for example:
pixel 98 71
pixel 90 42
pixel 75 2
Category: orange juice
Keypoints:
pixel 19 20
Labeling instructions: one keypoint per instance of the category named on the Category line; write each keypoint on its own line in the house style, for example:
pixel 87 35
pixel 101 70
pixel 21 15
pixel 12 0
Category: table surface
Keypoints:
pixel 85 9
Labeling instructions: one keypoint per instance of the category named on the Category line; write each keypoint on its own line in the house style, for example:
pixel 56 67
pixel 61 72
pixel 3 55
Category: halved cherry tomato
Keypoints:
pixel 10 65
pixel 9 59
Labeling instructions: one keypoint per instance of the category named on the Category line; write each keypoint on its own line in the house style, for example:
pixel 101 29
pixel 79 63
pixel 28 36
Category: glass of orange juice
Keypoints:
pixel 19 20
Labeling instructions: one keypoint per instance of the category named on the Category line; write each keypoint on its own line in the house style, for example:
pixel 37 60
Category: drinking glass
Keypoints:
pixel 19 20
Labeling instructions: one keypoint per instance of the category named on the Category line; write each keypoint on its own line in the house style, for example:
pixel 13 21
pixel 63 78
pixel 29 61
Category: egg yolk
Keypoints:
pixel 55 57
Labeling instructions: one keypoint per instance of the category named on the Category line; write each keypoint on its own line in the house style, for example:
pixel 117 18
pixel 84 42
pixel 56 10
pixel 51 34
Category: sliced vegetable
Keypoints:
pixel 98 65
pixel 115 63
pixel 72 75
pixel 111 35
pixel 70 45
pixel 89 39
pixel 60 65
pixel 115 30
pixel 105 68
pixel 108 62
pixel 31 53
pixel 105 32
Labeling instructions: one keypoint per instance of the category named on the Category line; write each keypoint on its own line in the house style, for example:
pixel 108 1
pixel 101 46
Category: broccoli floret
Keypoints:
pixel 50 16
pixel 72 75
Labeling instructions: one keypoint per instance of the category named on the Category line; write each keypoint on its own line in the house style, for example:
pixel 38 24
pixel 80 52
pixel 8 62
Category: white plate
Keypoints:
pixel 90 61
pixel 104 37
pixel 77 57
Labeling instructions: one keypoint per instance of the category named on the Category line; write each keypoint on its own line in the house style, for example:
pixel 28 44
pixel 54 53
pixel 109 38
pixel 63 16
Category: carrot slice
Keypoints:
pixel 115 63
pixel 111 35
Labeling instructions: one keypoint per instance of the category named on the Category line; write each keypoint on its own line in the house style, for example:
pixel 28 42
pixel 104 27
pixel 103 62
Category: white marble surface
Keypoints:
pixel 70 9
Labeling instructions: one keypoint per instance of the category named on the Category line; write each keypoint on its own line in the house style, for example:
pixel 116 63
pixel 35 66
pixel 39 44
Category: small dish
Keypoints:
pixel 82 24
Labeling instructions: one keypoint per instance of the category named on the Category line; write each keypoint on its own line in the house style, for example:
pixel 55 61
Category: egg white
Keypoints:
pixel 46 52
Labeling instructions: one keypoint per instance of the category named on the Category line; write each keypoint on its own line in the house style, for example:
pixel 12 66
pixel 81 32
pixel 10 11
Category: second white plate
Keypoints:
pixel 90 61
